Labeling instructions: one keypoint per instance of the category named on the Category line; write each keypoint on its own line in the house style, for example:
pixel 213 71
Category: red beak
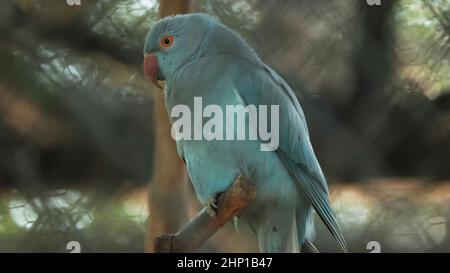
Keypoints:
pixel 151 69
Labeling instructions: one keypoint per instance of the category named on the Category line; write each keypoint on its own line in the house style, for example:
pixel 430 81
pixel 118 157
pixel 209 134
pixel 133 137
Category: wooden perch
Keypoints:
pixel 203 225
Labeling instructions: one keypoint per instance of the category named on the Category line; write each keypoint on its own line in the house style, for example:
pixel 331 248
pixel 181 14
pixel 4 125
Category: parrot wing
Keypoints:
pixel 263 86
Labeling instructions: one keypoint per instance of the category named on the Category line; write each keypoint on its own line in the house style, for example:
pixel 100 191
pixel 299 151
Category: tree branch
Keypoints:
pixel 203 225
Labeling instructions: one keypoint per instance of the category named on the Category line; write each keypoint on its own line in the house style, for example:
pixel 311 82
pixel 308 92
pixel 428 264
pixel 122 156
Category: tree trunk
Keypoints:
pixel 169 188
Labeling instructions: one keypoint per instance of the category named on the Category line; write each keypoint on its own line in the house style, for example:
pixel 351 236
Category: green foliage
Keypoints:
pixel 424 42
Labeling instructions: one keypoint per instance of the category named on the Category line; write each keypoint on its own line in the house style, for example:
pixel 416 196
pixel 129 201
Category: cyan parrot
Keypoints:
pixel 199 57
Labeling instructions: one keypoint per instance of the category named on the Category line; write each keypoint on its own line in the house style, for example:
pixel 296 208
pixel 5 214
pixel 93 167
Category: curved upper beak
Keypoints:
pixel 151 69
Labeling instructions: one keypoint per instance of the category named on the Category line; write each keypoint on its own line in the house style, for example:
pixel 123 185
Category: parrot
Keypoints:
pixel 198 56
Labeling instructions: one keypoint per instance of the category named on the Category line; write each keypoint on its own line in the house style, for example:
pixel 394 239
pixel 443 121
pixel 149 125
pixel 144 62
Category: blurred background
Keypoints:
pixel 84 150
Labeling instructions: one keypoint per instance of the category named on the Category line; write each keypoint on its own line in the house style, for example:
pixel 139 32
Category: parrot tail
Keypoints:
pixel 309 230
pixel 277 232
pixel 286 228
pixel 309 247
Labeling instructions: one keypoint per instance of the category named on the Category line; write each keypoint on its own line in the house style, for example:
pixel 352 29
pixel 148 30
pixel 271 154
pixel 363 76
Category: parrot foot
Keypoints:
pixel 211 206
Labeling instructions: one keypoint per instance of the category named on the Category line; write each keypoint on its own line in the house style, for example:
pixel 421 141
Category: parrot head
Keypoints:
pixel 177 40
pixel 170 43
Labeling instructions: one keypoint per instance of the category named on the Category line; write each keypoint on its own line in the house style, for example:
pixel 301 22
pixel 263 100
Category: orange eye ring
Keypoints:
pixel 166 41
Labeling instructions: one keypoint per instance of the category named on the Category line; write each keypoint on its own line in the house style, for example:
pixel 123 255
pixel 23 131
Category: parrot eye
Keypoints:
pixel 166 41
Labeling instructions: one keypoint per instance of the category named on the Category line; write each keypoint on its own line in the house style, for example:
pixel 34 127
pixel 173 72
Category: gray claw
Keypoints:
pixel 211 207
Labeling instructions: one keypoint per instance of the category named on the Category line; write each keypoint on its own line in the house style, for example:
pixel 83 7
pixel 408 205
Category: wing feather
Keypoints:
pixel 264 86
